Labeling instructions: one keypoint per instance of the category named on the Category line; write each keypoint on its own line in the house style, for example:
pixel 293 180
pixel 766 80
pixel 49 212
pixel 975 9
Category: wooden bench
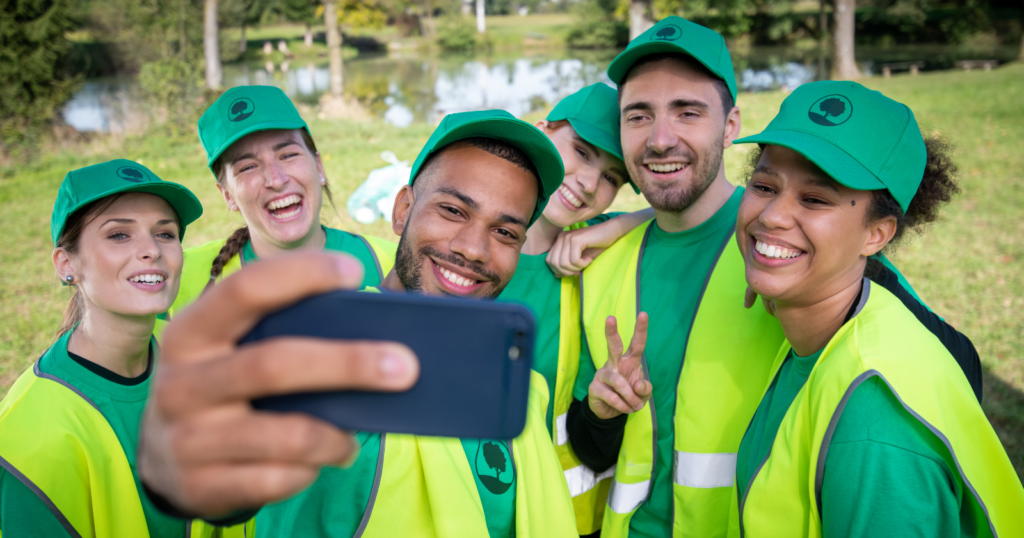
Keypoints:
pixel 913 67
pixel 967 65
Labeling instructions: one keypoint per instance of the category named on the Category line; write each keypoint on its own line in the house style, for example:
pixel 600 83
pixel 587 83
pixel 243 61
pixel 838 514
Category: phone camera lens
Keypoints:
pixel 513 352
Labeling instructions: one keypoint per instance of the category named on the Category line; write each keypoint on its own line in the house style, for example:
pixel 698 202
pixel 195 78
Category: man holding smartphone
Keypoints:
pixel 478 184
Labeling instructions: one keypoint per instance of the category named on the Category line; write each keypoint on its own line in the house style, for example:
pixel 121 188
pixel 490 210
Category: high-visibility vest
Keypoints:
pixel 57 443
pixel 195 273
pixel 424 486
pixel 725 367
pixel 884 340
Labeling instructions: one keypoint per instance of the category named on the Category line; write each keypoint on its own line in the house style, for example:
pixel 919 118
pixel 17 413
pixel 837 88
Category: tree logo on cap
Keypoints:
pixel 494 466
pixel 831 110
pixel 241 109
pixel 669 32
pixel 130 173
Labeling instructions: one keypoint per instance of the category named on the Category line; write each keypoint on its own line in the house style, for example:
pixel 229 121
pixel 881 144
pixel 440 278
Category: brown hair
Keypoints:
pixel 69 241
pixel 237 240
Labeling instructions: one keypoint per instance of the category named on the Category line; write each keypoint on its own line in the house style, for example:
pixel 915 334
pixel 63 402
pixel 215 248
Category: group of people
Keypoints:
pixel 781 378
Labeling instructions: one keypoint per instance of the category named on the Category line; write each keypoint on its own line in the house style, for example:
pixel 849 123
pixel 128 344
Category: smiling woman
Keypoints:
pixel 69 425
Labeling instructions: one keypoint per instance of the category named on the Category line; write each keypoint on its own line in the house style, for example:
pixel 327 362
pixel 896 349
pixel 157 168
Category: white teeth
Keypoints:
pixel 285 202
pixel 148 279
pixel 576 202
pixel 665 168
pixel 456 279
pixel 775 251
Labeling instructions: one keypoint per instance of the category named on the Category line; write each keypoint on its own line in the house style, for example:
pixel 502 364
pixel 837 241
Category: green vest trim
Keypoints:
pixel 883 340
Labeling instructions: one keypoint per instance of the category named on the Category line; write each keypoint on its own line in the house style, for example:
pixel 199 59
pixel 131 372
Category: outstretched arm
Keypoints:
pixel 574 250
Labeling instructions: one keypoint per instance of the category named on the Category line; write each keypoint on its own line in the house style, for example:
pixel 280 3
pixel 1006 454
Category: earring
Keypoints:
pixel 323 180
pixel 69 279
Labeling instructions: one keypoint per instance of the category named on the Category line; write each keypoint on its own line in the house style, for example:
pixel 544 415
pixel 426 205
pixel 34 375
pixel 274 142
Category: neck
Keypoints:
pixel 540 237
pixel 809 327
pixel 392 282
pixel 118 343
pixel 705 207
pixel 316 239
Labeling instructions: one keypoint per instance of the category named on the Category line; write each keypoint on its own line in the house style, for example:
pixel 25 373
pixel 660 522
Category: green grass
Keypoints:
pixel 967 267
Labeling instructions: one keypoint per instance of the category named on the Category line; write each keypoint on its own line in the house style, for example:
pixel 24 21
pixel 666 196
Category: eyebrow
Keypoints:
pixel 576 137
pixel 252 155
pixel 817 181
pixel 675 103
pixel 503 218
pixel 132 221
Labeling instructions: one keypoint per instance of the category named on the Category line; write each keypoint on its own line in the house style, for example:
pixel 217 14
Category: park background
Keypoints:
pixel 85 81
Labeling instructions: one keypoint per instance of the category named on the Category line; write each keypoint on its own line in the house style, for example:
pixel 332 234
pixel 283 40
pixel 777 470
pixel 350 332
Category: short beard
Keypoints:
pixel 664 199
pixel 409 268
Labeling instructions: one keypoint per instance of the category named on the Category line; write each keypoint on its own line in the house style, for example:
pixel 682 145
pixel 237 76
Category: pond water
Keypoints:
pixel 407 88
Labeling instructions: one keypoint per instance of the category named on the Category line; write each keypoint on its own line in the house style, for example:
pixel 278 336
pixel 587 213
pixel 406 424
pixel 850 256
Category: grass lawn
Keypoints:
pixel 967 268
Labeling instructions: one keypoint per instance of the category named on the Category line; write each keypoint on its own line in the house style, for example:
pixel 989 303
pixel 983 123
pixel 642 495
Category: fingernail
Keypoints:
pixel 393 366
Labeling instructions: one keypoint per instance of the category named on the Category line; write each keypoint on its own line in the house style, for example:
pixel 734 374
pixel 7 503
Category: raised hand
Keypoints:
pixel 201 444
pixel 620 387
pixel 575 250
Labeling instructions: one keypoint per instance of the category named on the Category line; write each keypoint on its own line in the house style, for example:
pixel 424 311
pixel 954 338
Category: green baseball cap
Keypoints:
pixel 243 110
pixel 85 185
pixel 676 34
pixel 593 113
pixel 858 136
pixel 499 125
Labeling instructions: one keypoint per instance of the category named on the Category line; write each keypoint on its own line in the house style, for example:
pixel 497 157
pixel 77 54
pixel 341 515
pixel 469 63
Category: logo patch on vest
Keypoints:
pixel 670 32
pixel 241 109
pixel 831 110
pixel 130 173
pixel 493 466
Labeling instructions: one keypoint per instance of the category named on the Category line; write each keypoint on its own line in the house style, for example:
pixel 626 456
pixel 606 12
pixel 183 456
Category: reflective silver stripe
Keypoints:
pixel 624 498
pixel 561 430
pixel 701 470
pixel 581 479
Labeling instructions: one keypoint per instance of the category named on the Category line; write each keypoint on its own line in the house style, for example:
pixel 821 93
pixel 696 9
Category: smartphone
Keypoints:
pixel 475 358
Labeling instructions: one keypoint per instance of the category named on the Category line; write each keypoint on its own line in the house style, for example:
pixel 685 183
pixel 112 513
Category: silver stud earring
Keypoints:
pixel 323 181
pixel 69 279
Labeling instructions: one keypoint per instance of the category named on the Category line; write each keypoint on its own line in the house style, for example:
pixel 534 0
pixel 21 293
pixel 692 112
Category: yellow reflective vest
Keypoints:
pixel 883 340
pixel 424 486
pixel 57 443
pixel 726 365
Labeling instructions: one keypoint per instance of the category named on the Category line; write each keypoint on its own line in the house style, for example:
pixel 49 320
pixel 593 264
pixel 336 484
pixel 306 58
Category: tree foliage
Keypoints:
pixel 36 82
pixel 597 26
pixel 495 458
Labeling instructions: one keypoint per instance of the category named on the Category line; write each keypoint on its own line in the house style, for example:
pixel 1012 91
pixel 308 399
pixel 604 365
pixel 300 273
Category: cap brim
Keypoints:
pixel 265 126
pixel 535 144
pixel 835 162
pixel 600 139
pixel 184 203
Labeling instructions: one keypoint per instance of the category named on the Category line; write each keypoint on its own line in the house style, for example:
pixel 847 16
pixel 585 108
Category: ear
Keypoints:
pixel 733 124
pixel 880 233
pixel 320 168
pixel 62 263
pixel 404 201
pixel 542 125
pixel 232 206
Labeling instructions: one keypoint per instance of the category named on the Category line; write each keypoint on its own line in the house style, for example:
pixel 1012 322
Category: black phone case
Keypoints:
pixel 475 358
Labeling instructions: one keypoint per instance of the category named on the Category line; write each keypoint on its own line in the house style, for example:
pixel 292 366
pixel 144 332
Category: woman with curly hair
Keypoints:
pixel 868 427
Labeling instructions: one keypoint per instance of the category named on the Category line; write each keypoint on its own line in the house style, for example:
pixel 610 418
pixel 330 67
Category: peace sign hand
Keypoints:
pixel 619 387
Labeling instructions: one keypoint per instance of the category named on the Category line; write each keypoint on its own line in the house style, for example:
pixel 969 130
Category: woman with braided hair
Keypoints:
pixel 267 168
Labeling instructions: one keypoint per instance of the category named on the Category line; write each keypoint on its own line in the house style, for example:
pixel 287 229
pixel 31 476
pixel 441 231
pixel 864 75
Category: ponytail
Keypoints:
pixel 231 247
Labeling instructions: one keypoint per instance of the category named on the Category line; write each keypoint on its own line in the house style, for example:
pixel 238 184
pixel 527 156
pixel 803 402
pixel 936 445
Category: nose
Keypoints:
pixel 778 214
pixel 588 178
pixel 472 243
pixel 149 249
pixel 662 138
pixel 274 177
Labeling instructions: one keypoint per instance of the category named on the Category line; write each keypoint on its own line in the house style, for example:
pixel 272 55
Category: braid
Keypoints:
pixel 231 247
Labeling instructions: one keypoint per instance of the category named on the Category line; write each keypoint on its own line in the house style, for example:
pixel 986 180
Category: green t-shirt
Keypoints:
pixel 121 401
pixel 337 241
pixel 498 492
pixel 672 273
pixel 886 474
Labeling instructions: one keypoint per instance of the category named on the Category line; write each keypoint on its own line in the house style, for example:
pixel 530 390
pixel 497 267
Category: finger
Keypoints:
pixel 609 398
pixel 588 256
pixel 214 490
pixel 749 297
pixel 250 437
pixel 211 326
pixel 284 366
pixel 643 389
pixel 611 333
pixel 622 387
pixel 769 306
pixel 639 341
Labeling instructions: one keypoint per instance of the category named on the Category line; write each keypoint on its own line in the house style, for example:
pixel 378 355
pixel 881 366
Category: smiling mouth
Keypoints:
pixel 153 279
pixel 570 197
pixel 664 168
pixel 776 252
pixel 453 282
pixel 286 207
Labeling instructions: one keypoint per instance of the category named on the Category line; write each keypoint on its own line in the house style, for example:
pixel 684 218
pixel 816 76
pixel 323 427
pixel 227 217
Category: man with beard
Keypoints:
pixel 477 185
pixel 662 420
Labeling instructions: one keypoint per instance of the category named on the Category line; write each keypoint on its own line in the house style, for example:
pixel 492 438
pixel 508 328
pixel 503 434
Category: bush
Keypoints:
pixel 598 34
pixel 457 35
pixel 173 89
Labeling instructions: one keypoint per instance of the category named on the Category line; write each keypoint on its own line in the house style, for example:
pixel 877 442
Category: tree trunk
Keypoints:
pixel 308 38
pixel 1020 56
pixel 242 43
pixel 467 8
pixel 427 27
pixel 211 45
pixel 844 67
pixel 639 17
pixel 481 26
pixel 333 46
